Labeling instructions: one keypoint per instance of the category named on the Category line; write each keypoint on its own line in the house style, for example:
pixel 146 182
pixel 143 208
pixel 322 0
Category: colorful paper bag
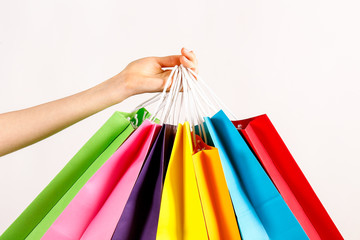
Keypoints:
pixel 133 120
pixel 139 219
pixel 181 215
pixel 287 177
pixel 248 221
pixel 113 181
pixel 275 215
pixel 65 179
pixel 215 199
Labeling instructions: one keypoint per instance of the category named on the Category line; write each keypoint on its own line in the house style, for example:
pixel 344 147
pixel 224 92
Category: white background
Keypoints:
pixel 297 61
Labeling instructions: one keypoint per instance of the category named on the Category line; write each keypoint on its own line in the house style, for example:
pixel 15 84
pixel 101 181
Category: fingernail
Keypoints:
pixel 187 50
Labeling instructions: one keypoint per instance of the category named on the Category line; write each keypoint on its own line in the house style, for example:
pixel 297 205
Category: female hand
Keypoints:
pixel 145 75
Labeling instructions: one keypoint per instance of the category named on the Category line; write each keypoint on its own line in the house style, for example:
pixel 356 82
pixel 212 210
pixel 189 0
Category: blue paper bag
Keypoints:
pixel 249 223
pixel 249 184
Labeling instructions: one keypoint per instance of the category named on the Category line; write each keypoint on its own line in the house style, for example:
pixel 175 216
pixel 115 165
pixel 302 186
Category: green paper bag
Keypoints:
pixel 48 205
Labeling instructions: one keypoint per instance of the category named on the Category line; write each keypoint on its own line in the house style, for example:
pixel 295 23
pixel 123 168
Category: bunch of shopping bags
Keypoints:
pixel 178 174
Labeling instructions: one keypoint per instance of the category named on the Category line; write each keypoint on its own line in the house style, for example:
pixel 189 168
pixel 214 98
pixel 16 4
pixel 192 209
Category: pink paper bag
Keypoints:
pixel 106 192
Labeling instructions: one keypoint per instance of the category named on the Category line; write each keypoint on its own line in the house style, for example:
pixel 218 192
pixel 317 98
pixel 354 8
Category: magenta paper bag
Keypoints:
pixel 117 175
pixel 105 222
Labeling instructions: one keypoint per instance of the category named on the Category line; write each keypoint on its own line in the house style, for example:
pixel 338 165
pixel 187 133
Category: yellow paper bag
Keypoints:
pixel 181 215
pixel 215 198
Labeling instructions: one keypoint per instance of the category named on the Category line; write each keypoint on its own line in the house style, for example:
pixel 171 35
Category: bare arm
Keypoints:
pixel 21 128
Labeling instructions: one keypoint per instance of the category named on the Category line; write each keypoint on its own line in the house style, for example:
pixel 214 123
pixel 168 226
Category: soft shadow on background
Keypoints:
pixel 297 61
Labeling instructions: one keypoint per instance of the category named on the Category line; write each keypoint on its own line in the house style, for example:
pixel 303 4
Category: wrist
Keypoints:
pixel 116 88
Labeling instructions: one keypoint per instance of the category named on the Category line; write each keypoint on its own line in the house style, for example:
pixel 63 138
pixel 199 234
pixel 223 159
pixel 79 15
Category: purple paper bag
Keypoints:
pixel 139 219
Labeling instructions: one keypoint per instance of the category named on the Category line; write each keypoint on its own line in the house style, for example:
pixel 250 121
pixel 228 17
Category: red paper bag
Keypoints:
pixel 281 167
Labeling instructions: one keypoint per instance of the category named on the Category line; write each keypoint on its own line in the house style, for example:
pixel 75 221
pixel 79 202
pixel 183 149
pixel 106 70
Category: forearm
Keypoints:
pixel 25 127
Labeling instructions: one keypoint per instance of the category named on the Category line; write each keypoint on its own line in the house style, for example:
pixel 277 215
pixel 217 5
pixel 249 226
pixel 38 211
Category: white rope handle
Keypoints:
pixel 148 102
pixel 205 97
pixel 196 101
pixel 189 115
pixel 198 111
pixel 162 98
pixel 173 91
pixel 216 98
pixel 172 104
pixel 207 101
